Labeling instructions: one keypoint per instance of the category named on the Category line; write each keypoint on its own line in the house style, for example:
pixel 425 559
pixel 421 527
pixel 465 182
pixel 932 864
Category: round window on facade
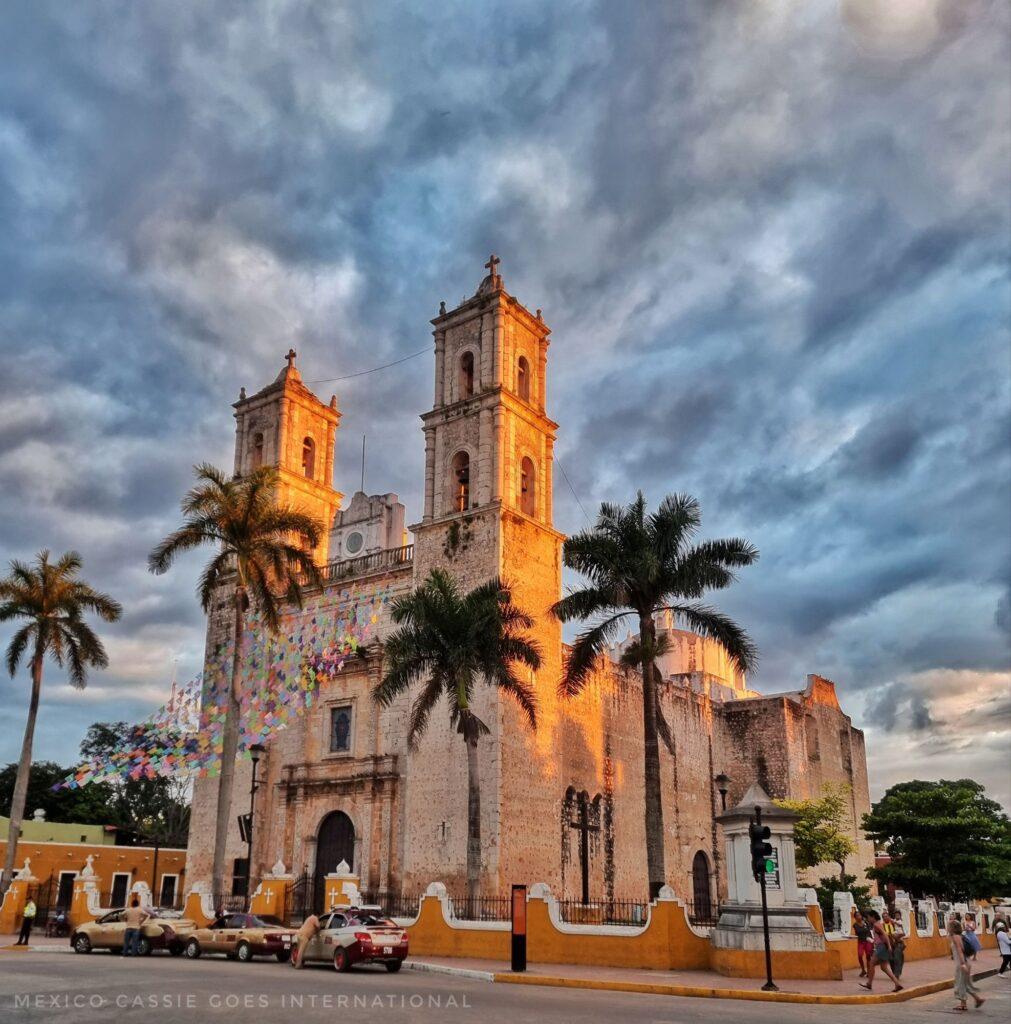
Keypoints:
pixel 354 543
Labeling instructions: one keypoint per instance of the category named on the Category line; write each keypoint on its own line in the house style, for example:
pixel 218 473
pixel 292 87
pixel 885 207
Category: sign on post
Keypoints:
pixel 519 928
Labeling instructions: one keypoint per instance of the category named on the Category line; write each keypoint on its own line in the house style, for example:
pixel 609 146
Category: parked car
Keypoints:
pixel 109 931
pixel 357 936
pixel 242 936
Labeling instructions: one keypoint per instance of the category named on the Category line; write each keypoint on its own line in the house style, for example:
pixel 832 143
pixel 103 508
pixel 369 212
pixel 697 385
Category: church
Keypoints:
pixel 562 804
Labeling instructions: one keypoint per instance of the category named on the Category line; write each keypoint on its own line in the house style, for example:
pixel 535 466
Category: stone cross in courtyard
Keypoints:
pixel 583 825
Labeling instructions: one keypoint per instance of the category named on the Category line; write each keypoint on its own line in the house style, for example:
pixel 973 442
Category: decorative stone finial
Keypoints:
pixel 88 871
pixel 333 401
pixel 278 868
pixel 242 394
pixel 442 308
pixel 539 316
pixel 26 871
pixel 344 868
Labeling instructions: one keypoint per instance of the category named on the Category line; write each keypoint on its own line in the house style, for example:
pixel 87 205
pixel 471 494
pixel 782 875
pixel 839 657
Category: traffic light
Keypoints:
pixel 761 851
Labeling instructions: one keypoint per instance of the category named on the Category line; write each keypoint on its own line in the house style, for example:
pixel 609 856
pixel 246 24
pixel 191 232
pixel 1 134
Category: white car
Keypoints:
pixel 355 935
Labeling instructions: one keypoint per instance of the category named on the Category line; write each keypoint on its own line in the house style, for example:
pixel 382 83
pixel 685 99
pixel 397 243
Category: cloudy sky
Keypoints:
pixel 771 238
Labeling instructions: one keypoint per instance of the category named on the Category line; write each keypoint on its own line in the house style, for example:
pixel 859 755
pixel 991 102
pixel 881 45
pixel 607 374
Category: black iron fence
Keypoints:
pixel 393 904
pixel 705 914
pixel 605 911
pixel 228 903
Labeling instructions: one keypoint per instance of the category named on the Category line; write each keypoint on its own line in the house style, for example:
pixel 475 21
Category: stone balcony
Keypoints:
pixel 387 560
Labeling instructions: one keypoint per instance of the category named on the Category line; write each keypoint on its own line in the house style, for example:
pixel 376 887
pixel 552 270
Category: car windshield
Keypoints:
pixel 374 921
pixel 116 915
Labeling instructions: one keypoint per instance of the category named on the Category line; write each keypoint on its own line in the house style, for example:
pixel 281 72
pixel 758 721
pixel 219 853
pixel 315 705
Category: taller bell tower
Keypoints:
pixel 488 512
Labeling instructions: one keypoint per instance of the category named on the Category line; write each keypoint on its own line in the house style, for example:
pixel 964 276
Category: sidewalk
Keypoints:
pixel 921 977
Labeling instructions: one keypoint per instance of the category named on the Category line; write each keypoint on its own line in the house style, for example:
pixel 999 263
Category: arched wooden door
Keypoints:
pixel 334 843
pixel 701 890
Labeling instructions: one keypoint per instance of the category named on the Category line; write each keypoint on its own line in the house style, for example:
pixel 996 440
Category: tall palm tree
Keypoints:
pixel 265 552
pixel 449 641
pixel 638 564
pixel 52 600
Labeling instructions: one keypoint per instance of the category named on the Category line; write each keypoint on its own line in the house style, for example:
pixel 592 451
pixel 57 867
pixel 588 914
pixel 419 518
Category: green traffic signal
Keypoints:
pixel 770 866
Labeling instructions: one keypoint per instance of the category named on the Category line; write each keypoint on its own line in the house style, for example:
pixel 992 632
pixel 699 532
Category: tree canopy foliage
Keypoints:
pixel 146 809
pixel 945 839
pixel 820 834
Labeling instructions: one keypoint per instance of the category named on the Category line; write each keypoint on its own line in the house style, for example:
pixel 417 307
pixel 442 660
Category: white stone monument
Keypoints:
pixel 740 924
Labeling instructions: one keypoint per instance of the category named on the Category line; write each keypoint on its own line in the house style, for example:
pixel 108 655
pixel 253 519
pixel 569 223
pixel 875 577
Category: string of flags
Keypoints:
pixel 280 674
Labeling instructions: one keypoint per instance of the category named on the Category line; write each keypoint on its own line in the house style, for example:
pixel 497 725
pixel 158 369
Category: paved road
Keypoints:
pixel 97 989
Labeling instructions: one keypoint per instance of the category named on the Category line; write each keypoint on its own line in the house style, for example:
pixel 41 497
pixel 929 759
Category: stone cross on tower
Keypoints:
pixel 291 357
pixel 492 264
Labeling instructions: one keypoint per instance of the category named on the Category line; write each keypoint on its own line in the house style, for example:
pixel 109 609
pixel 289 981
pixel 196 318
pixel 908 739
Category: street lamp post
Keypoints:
pixel 722 786
pixel 256 750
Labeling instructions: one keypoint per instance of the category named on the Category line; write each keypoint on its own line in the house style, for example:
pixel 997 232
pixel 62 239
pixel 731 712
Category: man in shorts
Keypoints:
pixel 865 948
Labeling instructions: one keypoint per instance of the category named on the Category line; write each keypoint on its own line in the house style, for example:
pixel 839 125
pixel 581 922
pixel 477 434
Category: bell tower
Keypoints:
pixel 488 512
pixel 286 426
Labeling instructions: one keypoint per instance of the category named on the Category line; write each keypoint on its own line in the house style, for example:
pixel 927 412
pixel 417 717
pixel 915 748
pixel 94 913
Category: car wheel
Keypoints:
pixel 341 961
pixel 244 952
pixel 192 949
pixel 176 948
pixel 394 965
pixel 284 956
pixel 82 944
pixel 144 946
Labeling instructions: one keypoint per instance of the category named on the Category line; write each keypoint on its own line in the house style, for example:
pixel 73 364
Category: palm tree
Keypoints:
pixel 260 555
pixel 53 600
pixel 638 564
pixel 450 640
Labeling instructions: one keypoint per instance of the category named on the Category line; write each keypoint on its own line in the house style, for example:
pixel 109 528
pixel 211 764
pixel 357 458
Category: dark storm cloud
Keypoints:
pixel 772 249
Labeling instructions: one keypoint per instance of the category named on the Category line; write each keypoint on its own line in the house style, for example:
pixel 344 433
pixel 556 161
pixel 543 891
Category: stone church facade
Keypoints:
pixel 564 804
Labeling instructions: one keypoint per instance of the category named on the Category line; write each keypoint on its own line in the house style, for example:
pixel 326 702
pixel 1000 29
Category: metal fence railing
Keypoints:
pixel 703 914
pixel 604 911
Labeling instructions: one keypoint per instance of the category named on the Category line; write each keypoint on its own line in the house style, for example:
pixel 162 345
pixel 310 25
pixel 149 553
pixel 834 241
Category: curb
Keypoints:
pixel 458 972
pixel 693 991
pixel 36 949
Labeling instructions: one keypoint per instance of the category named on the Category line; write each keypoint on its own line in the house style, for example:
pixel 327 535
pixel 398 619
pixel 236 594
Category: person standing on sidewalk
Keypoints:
pixel 27 920
pixel 964 986
pixel 1004 945
pixel 136 915
pixel 892 924
pixel 865 948
pixel 882 955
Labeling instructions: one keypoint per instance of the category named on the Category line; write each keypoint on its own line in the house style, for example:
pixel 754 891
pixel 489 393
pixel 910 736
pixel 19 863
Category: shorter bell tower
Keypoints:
pixel 286 426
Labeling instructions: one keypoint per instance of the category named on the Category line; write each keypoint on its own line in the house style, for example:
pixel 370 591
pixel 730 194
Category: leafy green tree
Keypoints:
pixel 944 838
pixel 449 641
pixel 152 810
pixel 51 600
pixel 87 805
pixel 820 833
pixel 826 889
pixel 264 553
pixel 637 565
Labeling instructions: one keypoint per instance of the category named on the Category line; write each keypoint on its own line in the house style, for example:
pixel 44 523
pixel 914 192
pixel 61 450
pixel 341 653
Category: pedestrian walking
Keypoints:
pixel 882 955
pixel 1004 945
pixel 27 920
pixel 896 932
pixel 964 986
pixel 865 948
pixel 310 926
pixel 135 917
pixel 970 936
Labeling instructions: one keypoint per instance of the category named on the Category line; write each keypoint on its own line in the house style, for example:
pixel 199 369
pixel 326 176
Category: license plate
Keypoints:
pixel 387 950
